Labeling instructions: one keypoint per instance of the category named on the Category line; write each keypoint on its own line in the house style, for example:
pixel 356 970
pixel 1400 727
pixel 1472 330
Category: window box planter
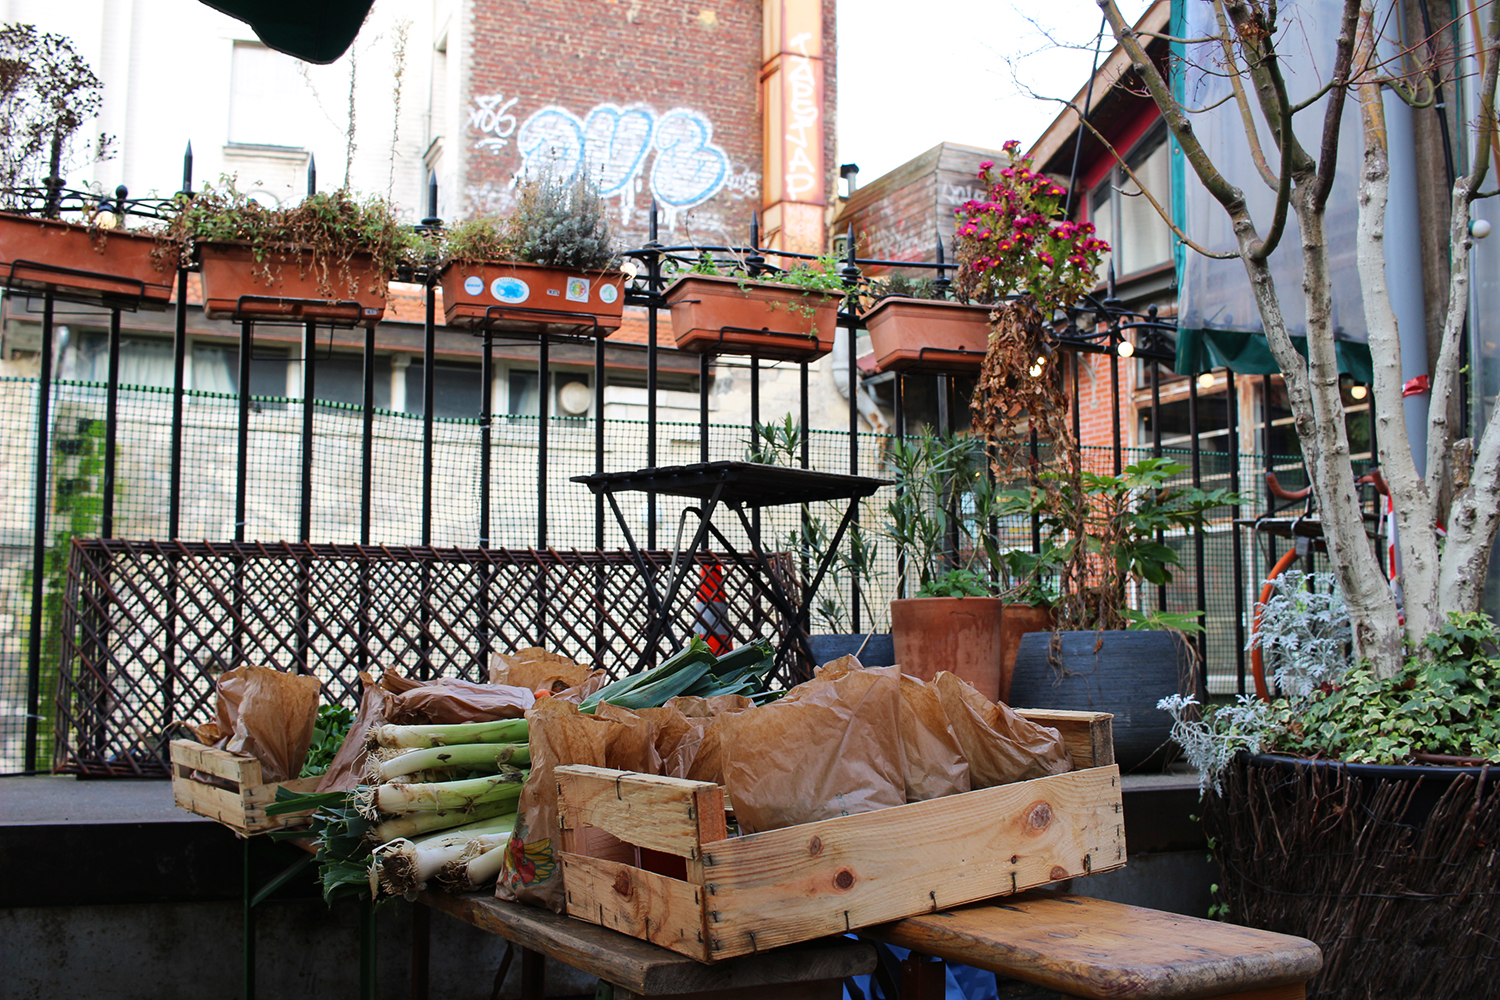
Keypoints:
pixel 714 315
pixel 236 287
pixel 531 298
pixel 928 337
pixel 104 266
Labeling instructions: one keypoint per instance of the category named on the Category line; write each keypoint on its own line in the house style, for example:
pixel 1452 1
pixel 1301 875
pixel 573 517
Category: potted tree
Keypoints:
pixel 1389 778
pixel 780 315
pixel 550 264
pixel 46 95
pixel 329 257
pixel 915 330
pixel 1103 540
pixel 941 523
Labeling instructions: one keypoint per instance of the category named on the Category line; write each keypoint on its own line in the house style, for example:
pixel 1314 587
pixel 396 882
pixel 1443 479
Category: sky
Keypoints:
pixel 914 74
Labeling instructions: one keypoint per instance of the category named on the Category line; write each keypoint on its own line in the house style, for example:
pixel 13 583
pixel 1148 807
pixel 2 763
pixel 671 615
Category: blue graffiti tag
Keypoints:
pixel 616 141
pixel 551 141
pixel 689 168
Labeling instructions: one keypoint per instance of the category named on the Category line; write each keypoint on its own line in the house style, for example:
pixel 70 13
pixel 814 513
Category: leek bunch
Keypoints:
pixel 694 671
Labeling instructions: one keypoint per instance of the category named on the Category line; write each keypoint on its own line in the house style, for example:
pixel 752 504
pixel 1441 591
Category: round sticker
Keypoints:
pixel 608 293
pixel 474 285
pixel 510 290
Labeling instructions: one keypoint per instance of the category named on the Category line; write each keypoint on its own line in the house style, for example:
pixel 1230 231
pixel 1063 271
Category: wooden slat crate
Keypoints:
pixel 714 897
pixel 241 802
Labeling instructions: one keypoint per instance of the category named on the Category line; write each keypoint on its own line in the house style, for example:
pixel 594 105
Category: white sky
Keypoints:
pixel 914 73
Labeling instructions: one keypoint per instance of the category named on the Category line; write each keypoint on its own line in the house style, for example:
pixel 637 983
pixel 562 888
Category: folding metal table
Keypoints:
pixel 740 486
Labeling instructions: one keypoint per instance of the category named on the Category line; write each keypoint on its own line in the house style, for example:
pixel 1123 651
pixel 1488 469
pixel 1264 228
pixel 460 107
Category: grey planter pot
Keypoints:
pixel 879 651
pixel 1127 675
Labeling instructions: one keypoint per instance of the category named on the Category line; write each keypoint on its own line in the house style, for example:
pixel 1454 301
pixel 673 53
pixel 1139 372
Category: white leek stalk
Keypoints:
pixel 489 757
pixel 396 799
pixel 503 731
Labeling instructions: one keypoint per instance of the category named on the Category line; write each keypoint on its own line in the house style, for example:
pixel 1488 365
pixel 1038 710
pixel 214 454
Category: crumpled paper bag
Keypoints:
pixel 935 762
pixel 452 700
pixel 348 764
pixel 267 714
pixel 559 734
pixel 1000 746
pixel 535 669
pixel 831 747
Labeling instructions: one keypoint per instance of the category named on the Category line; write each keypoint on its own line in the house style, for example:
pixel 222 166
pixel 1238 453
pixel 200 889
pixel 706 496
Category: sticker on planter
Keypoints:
pixel 608 293
pixel 578 290
pixel 512 290
pixel 474 285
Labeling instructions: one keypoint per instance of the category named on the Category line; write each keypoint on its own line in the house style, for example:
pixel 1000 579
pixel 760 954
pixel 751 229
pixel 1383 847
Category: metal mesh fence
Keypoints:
pixel 274 491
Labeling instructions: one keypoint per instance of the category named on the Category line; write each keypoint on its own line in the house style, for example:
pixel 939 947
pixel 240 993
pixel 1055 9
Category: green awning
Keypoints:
pixel 1249 354
pixel 318 31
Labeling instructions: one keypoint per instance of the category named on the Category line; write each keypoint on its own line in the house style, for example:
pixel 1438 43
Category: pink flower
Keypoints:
pixel 987 164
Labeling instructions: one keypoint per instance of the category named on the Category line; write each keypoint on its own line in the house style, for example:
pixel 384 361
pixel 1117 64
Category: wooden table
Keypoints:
pixel 1095 949
pixel 812 971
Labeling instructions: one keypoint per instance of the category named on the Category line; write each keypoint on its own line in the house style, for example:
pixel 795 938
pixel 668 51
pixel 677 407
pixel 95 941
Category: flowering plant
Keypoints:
pixel 1014 240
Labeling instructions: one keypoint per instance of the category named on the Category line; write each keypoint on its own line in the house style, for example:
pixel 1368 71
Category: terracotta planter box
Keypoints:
pixel 928 337
pixel 958 634
pixel 101 266
pixel 713 315
pixel 236 288
pixel 529 298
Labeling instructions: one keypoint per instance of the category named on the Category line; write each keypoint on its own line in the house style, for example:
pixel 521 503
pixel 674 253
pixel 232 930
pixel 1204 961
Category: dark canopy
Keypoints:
pixel 318 31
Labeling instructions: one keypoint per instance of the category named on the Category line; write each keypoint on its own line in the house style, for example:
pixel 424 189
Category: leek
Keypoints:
pixel 468 757
pixel 395 798
pixel 418 823
pixel 407 737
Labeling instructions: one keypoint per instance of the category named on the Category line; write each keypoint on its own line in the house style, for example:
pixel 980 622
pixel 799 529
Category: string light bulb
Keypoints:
pixel 1036 371
pixel 1125 349
pixel 1206 380
pixel 1358 391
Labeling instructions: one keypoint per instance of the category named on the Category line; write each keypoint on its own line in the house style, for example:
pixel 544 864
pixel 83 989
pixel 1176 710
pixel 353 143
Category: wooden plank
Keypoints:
pixel 772 888
pixel 1096 949
pixel 822 989
pixel 234 767
pixel 665 911
pixel 221 804
pixel 1089 736
pixel 642 967
pixel 647 810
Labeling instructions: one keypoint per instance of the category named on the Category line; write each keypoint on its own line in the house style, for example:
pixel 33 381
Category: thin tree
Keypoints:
pixel 1438 576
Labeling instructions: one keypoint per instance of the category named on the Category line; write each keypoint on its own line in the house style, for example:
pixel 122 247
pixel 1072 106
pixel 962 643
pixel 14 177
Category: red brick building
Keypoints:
pixel 716 112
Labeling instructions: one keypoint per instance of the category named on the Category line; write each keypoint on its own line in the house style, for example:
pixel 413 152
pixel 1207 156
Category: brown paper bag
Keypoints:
pixel 348 764
pixel 450 700
pixel 269 715
pixel 559 734
pixel 999 745
pixel 534 669
pixel 935 764
pixel 831 747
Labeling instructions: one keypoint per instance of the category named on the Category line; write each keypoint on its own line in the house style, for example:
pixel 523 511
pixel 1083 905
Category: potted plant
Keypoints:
pixel 1379 792
pixel 550 264
pixel 46 95
pixel 329 257
pixel 774 314
pixel 1103 539
pixel 940 521
pixel 915 330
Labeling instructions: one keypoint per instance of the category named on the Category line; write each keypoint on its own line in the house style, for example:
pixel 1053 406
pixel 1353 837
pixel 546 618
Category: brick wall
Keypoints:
pixel 660 99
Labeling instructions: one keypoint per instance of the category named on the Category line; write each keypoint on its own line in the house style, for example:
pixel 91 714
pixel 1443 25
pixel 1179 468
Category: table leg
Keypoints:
pixel 816 989
pixel 922 978
pixel 533 975
pixel 421 951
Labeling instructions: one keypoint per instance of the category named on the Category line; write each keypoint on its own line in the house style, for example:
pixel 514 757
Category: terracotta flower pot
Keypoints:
pixel 236 287
pixel 921 336
pixel 97 266
pixel 958 634
pixel 713 315
pixel 530 298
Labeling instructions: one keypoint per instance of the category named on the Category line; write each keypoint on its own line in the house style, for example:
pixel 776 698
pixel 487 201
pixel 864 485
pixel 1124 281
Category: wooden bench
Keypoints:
pixel 812 971
pixel 1090 948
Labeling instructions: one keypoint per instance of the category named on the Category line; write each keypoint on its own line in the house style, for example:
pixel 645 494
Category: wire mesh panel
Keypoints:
pixel 149 626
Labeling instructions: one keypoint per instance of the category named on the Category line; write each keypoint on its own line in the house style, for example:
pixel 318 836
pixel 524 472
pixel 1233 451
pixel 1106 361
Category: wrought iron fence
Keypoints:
pixel 148 626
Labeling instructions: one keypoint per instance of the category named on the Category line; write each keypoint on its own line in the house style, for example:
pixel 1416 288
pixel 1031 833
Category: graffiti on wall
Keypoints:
pixel 624 149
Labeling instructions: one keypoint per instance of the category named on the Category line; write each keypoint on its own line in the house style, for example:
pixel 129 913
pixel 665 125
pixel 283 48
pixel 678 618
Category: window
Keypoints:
pixel 216 368
pixel 341 379
pixel 264 83
pixel 143 361
pixel 455 390
pixel 1124 219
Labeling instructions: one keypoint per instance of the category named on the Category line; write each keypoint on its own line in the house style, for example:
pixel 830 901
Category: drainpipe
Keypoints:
pixel 868 408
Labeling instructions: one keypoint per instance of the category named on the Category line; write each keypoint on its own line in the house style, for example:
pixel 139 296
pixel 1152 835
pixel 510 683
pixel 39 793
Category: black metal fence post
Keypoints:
pixel 39 539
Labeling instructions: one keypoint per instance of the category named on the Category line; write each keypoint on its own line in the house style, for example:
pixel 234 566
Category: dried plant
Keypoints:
pixel 47 93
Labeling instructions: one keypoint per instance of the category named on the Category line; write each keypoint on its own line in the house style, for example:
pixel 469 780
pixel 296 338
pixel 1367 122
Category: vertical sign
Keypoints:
pixel 795 189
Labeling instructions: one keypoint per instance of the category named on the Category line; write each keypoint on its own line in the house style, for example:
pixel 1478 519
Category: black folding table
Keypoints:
pixel 740 486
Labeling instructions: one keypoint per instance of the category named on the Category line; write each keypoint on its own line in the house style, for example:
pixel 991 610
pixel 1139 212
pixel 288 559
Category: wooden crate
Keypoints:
pixel 240 801
pixel 649 856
